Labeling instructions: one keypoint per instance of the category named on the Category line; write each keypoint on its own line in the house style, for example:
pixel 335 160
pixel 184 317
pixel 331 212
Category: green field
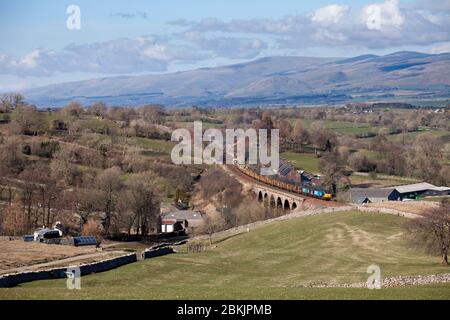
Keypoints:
pixel 436 199
pixel 269 262
pixel 341 127
pixel 190 124
pixel 154 144
pixel 4 117
pixel 380 180
pixel 439 133
pixel 302 161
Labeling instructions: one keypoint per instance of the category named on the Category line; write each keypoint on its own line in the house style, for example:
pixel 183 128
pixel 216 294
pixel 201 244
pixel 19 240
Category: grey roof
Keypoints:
pixel 182 215
pixel 362 193
pixel 423 186
pixel 359 200
pixel 285 168
pixel 43 230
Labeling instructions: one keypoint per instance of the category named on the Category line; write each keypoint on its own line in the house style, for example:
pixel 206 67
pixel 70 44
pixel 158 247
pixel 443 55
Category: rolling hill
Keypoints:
pixel 270 80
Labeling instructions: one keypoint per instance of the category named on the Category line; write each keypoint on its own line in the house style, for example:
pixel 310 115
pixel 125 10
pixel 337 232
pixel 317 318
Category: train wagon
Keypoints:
pixel 309 191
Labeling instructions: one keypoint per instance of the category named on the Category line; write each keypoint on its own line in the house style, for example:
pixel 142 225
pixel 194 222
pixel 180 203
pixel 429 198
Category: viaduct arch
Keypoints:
pixel 277 199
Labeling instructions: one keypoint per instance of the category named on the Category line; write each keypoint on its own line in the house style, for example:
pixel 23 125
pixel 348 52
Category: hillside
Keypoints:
pixel 271 80
pixel 271 261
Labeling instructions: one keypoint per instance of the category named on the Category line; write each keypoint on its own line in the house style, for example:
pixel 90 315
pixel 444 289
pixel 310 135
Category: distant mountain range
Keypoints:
pixel 269 81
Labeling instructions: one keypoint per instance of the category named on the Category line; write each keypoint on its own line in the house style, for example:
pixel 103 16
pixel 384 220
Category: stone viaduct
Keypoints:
pixel 277 198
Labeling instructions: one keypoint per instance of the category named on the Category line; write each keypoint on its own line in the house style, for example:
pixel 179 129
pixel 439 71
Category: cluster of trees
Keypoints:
pixel 80 160
pixel 422 159
pixel 36 198
pixel 74 165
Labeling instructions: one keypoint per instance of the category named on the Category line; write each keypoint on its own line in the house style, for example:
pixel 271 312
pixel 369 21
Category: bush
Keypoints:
pixel 359 162
pixel 48 149
pixel 92 228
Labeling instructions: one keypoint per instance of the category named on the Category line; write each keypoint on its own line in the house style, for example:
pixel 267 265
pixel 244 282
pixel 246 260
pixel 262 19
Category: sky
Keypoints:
pixel 53 41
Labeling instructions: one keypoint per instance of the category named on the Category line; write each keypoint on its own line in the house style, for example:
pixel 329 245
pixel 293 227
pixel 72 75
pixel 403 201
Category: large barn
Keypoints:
pixel 423 189
pixel 373 195
pixel 404 192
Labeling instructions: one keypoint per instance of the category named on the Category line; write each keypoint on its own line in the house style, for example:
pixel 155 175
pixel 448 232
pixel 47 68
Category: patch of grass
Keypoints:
pixel 439 133
pixel 341 127
pixel 436 132
pixel 426 292
pixel 4 117
pixel 189 124
pixel 302 161
pixel 380 180
pixel 154 144
pixel 269 262
pixel 129 246
pixel 436 199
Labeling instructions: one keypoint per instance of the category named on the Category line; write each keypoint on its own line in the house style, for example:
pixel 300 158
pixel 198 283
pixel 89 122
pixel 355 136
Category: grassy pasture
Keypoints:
pixel 156 145
pixel 340 127
pixel 269 262
pixel 302 161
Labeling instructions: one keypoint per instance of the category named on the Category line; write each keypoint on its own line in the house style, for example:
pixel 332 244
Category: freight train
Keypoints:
pixel 305 190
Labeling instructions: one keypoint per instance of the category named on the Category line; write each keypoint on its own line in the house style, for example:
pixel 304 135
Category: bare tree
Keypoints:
pixel 334 171
pixel 299 134
pixel 10 101
pixel 109 183
pixel 11 155
pixel 28 193
pixel 144 200
pixel 74 109
pixel 13 220
pixel 424 159
pixel 86 203
pixel 48 201
pixel 98 109
pixel 285 130
pixel 27 120
pixel 212 225
pixel 432 231
pixel 323 138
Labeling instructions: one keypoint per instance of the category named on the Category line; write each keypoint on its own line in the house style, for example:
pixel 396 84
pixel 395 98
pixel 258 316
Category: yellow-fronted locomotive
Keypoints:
pixel 304 190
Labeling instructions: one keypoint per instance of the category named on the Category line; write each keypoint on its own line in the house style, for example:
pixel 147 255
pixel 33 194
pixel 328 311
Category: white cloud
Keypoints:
pixel 441 48
pixel 384 15
pixel 228 47
pixel 29 61
pixel 380 25
pixel 127 15
pixel 121 56
pixel 116 56
pixel 332 13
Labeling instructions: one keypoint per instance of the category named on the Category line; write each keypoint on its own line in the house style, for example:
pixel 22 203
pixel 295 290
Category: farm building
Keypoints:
pixel 180 220
pixel 47 233
pixel 288 173
pixel 373 195
pixel 423 189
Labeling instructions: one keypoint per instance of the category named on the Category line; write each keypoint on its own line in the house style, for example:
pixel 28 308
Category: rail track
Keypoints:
pixel 306 199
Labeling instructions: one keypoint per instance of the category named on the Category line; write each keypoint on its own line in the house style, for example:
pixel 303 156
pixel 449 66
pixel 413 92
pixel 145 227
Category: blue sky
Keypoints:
pixel 136 37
